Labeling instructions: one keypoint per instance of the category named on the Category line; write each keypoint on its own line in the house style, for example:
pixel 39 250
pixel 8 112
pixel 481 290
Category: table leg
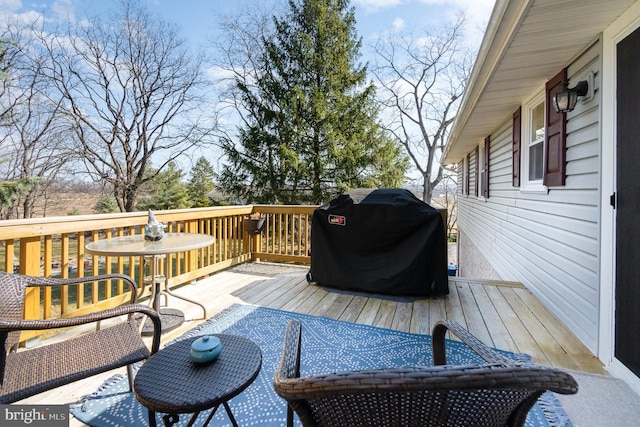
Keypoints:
pixel 155 293
pixel 171 419
pixel 168 291
pixel 213 412
pixel 170 318
pixel 152 418
pixel 193 419
pixel 231 417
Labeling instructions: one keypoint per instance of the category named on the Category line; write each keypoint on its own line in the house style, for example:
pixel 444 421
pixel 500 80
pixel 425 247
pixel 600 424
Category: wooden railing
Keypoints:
pixel 287 234
pixel 55 247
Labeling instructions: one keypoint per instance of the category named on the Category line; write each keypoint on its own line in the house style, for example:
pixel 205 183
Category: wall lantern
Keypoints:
pixel 565 100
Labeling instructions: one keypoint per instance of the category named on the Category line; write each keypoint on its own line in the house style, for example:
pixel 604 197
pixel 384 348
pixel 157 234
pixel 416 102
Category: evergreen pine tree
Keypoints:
pixel 313 131
pixel 200 183
pixel 166 191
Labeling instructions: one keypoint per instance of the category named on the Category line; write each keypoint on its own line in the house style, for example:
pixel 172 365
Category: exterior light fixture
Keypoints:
pixel 565 100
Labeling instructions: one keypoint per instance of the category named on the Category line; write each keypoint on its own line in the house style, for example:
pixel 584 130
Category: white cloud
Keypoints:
pixel 15 12
pixel 477 12
pixel 218 73
pixel 11 5
pixel 64 9
pixel 395 15
pixel 398 24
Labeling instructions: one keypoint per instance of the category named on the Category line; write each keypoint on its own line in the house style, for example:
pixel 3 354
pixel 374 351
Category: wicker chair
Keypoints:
pixel 27 372
pixel 497 393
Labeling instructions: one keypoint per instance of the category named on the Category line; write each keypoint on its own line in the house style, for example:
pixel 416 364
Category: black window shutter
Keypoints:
pixel 516 138
pixel 477 170
pixel 555 140
pixel 485 177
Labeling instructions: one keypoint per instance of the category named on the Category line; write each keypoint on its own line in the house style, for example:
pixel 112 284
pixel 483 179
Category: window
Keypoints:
pixel 533 143
pixel 539 140
pixel 536 143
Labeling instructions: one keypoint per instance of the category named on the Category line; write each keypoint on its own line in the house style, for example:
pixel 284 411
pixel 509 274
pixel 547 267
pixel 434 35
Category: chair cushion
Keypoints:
pixel 32 371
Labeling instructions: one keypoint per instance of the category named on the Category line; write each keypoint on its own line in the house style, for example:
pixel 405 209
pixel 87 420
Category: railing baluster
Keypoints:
pixel 46 271
pixel 64 272
pixel 80 269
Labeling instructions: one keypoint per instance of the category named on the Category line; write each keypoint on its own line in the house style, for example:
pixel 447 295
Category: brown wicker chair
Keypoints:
pixel 497 393
pixel 28 372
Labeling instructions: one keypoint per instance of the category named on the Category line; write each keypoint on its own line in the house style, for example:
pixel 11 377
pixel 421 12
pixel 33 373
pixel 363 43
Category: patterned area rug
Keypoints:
pixel 328 346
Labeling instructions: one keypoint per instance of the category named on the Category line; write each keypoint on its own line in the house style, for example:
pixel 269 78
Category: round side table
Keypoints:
pixel 171 383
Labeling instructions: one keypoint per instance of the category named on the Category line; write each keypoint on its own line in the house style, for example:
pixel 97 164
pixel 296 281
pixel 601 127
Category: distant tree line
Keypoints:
pixel 170 190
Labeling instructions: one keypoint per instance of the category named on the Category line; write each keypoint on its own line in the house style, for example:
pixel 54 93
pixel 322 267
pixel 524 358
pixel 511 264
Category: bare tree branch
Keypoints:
pixel 33 134
pixel 133 94
pixel 422 80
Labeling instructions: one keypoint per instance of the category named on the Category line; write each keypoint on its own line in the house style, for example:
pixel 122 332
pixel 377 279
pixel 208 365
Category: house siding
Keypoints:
pixel 549 242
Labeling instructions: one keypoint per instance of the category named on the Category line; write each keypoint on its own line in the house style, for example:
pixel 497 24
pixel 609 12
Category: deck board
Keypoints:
pixel 420 317
pixel 384 318
pixel 402 317
pixel 499 331
pixel 501 314
pixel 521 335
pixel 353 310
pixel 369 311
pixel 453 307
pixel 473 316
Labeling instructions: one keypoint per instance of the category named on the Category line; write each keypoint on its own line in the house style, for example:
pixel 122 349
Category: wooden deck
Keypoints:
pixel 504 315
pixel 501 314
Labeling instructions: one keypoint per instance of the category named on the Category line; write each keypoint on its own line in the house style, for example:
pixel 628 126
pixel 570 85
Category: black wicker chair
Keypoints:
pixel 27 372
pixel 499 392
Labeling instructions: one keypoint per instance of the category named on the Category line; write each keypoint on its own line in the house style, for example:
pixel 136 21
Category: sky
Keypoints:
pixel 198 18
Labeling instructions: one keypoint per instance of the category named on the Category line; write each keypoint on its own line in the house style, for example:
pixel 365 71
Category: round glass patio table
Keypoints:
pixel 137 245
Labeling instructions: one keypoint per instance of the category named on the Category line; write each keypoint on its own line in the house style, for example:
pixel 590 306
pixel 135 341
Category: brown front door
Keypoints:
pixel 627 317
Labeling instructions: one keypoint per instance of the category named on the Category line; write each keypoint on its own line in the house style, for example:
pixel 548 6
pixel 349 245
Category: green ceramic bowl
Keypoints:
pixel 206 349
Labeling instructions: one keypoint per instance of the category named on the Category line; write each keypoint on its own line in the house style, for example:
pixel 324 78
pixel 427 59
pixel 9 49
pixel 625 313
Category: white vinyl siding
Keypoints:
pixel 549 241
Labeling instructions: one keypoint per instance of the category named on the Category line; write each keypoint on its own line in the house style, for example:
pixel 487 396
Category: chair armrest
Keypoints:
pixel 484 351
pixel 48 281
pixel 289 366
pixel 431 378
pixel 128 309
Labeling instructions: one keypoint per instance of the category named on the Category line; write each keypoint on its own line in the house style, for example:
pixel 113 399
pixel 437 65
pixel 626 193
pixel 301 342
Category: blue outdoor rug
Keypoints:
pixel 327 346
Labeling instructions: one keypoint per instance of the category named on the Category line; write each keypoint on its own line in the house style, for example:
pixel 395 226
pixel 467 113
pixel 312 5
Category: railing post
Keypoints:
pixel 9 255
pixel 256 245
pixel 30 266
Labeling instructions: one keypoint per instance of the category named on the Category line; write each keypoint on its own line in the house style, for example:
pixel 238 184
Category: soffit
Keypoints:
pixel 526 43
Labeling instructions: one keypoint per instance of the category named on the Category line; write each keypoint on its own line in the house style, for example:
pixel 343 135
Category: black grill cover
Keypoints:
pixel 380 241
